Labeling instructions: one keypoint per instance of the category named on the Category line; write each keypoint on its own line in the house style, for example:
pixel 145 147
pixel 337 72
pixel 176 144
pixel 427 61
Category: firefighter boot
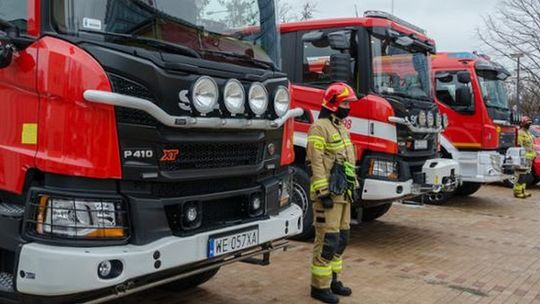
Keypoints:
pixel 338 287
pixel 518 191
pixel 324 295
pixel 525 193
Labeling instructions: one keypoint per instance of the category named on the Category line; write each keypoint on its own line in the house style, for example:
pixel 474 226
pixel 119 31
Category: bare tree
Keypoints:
pixel 515 29
pixel 286 11
pixel 309 8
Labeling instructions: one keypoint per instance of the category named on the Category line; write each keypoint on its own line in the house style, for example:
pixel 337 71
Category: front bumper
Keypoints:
pixel 440 175
pixel 58 271
pixel 489 166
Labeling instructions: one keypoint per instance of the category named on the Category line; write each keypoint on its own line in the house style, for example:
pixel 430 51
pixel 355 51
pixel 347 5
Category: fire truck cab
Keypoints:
pixel 395 125
pixel 143 142
pixel 482 129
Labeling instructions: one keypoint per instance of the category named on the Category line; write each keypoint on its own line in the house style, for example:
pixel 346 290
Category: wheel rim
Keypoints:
pixel 513 180
pixel 300 198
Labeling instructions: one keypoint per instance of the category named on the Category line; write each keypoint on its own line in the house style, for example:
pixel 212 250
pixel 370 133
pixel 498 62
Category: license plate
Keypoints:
pixel 232 241
pixel 420 144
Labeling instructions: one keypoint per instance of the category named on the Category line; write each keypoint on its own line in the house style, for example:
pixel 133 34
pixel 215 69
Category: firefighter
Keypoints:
pixel 330 160
pixel 525 140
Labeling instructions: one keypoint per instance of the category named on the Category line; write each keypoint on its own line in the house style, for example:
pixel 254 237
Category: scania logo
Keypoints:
pixel 184 103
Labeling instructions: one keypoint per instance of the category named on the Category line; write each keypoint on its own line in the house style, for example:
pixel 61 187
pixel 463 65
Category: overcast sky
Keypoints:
pixel 452 23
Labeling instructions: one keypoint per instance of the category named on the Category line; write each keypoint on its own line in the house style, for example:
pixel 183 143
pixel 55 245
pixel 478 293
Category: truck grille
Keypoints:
pixel 212 156
pixel 507 140
pixel 201 187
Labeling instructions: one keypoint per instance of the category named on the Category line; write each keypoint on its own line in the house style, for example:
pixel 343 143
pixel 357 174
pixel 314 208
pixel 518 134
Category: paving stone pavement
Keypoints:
pixel 481 249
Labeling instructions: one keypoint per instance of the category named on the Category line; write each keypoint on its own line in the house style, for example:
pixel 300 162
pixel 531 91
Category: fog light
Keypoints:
pixel 110 269
pixel 256 206
pixel 191 214
pixel 105 269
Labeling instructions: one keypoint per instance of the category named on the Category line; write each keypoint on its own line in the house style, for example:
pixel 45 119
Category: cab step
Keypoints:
pixel 11 210
pixel 6 282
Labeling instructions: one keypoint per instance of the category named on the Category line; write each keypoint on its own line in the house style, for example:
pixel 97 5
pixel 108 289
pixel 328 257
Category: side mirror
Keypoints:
pixel 6 51
pixel 464 97
pixel 313 36
pixel 464 77
pixel 340 68
pixel 340 40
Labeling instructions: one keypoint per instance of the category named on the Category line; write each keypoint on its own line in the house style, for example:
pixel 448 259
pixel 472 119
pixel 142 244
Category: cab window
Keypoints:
pixel 316 62
pixel 15 12
pixel 449 87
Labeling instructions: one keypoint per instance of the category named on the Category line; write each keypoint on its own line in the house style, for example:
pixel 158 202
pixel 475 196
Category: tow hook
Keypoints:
pixel 123 288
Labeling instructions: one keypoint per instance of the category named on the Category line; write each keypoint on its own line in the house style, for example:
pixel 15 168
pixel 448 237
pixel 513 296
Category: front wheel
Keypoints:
pixel 300 197
pixel 192 281
pixel 530 181
pixel 373 213
pixel 468 188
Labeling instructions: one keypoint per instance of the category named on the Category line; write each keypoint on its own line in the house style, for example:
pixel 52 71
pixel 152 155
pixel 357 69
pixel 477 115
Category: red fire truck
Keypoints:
pixel 142 143
pixel 396 124
pixel 482 129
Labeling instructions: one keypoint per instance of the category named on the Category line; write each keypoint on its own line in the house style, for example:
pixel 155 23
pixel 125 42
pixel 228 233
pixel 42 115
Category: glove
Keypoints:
pixel 327 201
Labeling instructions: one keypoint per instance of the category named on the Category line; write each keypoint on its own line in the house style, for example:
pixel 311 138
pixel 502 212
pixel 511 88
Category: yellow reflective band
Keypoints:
pixel 337 265
pixel 321 271
pixel 336 137
pixel 348 142
pixel 319 184
pixel 318 142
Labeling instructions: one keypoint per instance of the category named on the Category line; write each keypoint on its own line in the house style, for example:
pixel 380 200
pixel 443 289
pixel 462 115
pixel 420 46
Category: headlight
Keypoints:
pixel 80 218
pixel 282 101
pixel 438 120
pixel 383 168
pixel 258 98
pixel 205 95
pixel 285 191
pixel 235 97
pixel 422 118
pixel 445 121
pixel 430 119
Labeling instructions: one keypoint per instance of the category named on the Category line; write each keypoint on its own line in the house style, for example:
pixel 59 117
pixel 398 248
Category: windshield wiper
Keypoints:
pixel 170 47
pixel 259 63
pixel 497 107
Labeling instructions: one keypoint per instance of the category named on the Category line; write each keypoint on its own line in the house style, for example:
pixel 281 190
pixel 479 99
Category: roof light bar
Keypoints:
pixel 385 15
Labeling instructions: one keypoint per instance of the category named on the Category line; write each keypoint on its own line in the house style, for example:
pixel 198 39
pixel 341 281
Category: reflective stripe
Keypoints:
pixel 336 137
pixel 319 184
pixel 337 265
pixel 321 271
pixel 318 142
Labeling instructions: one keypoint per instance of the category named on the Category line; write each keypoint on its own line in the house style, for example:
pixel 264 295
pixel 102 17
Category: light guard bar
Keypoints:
pixel 385 15
pixel 187 122
pixel 412 127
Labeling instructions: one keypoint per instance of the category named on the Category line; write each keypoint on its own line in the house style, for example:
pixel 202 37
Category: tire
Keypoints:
pixel 468 188
pixel 192 281
pixel 300 197
pixel 531 181
pixel 373 213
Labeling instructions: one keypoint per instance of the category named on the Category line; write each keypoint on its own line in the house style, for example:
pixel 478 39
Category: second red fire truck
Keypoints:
pixel 395 126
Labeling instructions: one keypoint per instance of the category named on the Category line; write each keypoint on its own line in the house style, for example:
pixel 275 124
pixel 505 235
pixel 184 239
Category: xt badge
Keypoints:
pixel 170 155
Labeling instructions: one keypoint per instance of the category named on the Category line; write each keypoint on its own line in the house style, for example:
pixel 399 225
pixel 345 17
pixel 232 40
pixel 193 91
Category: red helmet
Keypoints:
pixel 336 94
pixel 525 120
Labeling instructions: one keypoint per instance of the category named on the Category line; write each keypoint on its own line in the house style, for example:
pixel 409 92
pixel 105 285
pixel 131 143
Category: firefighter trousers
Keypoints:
pixel 332 232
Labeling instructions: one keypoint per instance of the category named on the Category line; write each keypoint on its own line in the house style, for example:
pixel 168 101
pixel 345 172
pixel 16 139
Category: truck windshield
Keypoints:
pixel 399 71
pixel 493 90
pixel 241 31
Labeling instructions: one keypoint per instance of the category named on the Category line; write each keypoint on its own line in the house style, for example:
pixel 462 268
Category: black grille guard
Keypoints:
pixel 149 107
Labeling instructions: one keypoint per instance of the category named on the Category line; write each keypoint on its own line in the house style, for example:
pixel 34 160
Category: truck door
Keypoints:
pixel 457 97
pixel 18 103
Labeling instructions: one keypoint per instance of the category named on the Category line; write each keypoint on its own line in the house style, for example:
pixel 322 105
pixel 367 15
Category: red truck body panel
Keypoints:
pixel 468 131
